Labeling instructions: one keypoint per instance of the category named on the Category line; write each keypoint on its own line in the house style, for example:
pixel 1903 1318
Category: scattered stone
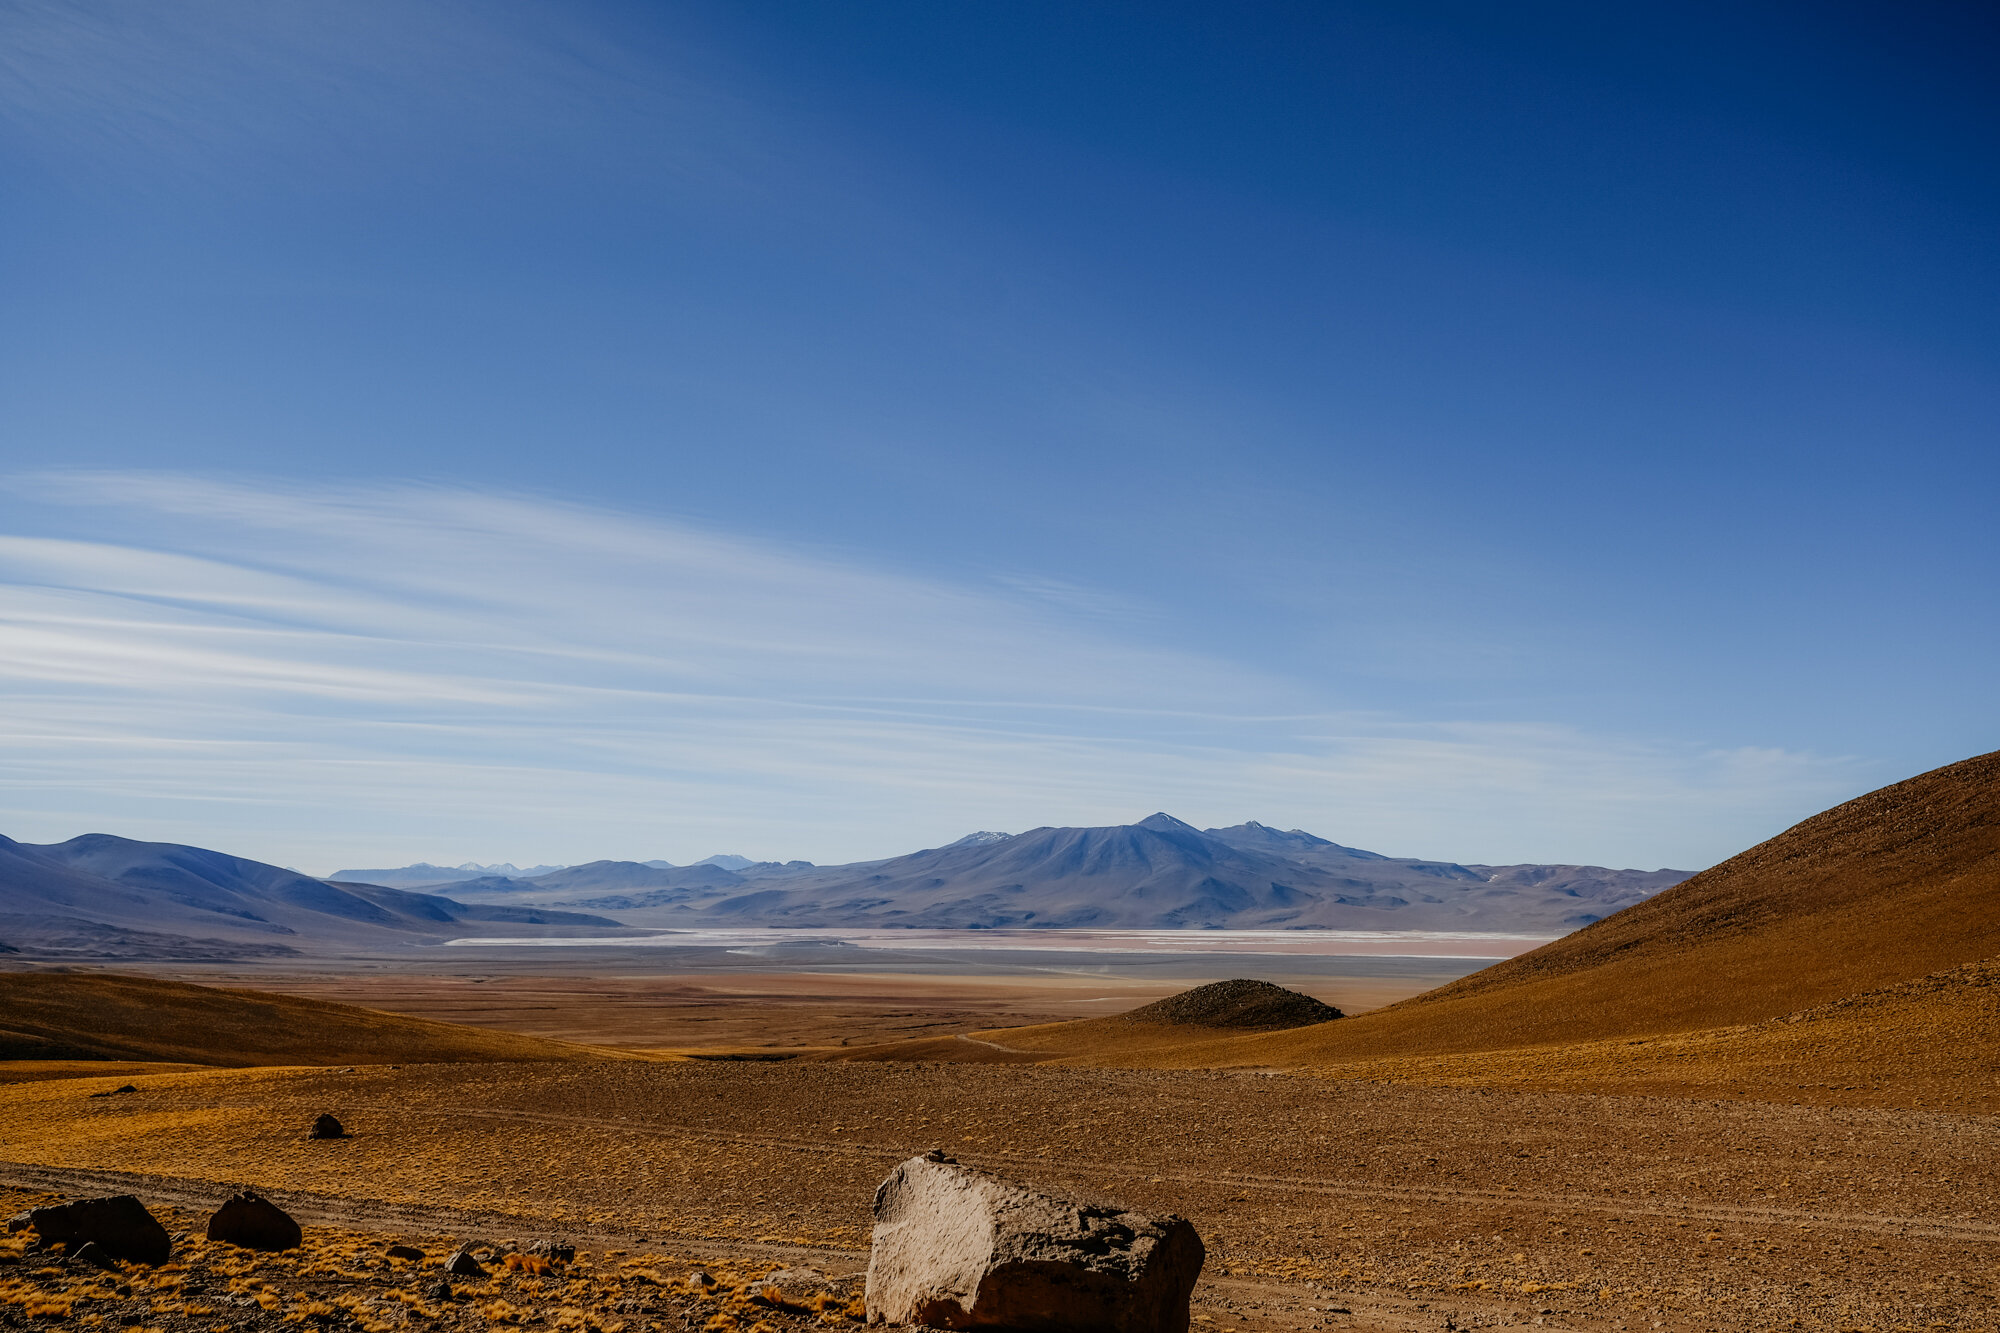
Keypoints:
pixel 958 1248
pixel 113 1092
pixel 119 1224
pixel 796 1277
pixel 255 1223
pixel 20 1221
pixel 439 1290
pixel 409 1252
pixel 554 1251
pixel 700 1279
pixel 463 1264
pixel 326 1127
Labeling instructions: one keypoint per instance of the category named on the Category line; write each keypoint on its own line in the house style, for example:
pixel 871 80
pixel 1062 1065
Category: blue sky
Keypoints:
pixel 549 431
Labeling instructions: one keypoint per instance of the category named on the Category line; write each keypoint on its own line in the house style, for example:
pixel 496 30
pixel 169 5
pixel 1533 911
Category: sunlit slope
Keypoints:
pixel 1934 1041
pixel 55 1016
pixel 1896 885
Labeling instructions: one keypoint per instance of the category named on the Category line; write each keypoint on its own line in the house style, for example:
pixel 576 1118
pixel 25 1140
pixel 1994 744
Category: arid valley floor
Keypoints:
pixel 1767 1098
pixel 1325 1203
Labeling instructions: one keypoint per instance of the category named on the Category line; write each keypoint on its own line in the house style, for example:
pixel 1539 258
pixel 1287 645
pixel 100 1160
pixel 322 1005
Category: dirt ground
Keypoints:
pixel 749 1010
pixel 1325 1204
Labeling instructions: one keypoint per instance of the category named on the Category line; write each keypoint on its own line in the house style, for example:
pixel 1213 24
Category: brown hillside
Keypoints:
pixel 1934 1041
pixel 1899 884
pixel 72 1016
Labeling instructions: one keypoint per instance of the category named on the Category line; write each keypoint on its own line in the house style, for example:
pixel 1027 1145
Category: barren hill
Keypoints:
pixel 1866 898
pixel 88 1016
pixel 1891 886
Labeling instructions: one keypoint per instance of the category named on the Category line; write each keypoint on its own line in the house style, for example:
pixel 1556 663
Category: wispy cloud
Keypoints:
pixel 339 676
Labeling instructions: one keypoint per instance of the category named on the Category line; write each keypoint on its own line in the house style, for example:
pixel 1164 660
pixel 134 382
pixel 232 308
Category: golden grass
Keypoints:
pixel 1933 1041
pixel 372 1294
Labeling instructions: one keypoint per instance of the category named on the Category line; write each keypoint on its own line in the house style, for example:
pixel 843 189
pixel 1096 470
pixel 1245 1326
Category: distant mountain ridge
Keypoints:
pixel 105 897
pixel 1159 873
pixel 425 875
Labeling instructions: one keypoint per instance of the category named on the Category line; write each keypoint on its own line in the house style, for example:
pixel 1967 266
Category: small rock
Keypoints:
pixel 958 1248
pixel 326 1127
pixel 255 1223
pixel 439 1290
pixel 409 1252
pixel 463 1264
pixel 19 1222
pixel 553 1250
pixel 113 1092
pixel 91 1253
pixel 795 1277
pixel 118 1224
pixel 700 1279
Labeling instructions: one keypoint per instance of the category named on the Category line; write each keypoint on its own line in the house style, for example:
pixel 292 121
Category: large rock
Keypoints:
pixel 255 1223
pixel 118 1224
pixel 327 1127
pixel 959 1248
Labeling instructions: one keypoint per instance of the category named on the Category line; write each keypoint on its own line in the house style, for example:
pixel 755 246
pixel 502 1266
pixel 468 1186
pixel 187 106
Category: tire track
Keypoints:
pixel 1933 1227
pixel 1370 1312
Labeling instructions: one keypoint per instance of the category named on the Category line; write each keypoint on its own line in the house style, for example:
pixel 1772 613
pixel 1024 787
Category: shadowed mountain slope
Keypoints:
pixel 105 896
pixel 83 1016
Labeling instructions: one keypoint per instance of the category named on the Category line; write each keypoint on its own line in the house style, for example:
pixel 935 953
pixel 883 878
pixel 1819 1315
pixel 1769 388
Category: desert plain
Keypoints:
pixel 1763 1099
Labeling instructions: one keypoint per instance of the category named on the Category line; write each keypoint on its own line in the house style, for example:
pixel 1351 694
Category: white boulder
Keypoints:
pixel 956 1248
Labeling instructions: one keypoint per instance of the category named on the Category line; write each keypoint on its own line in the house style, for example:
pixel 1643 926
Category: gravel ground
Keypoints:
pixel 1324 1204
pixel 344 1281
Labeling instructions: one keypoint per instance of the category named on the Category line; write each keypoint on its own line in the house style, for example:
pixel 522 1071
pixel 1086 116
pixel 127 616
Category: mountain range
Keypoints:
pixel 1159 873
pixel 101 896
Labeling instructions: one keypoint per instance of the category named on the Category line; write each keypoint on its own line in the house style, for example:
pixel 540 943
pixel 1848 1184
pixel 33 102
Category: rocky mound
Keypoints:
pixel 1242 1003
